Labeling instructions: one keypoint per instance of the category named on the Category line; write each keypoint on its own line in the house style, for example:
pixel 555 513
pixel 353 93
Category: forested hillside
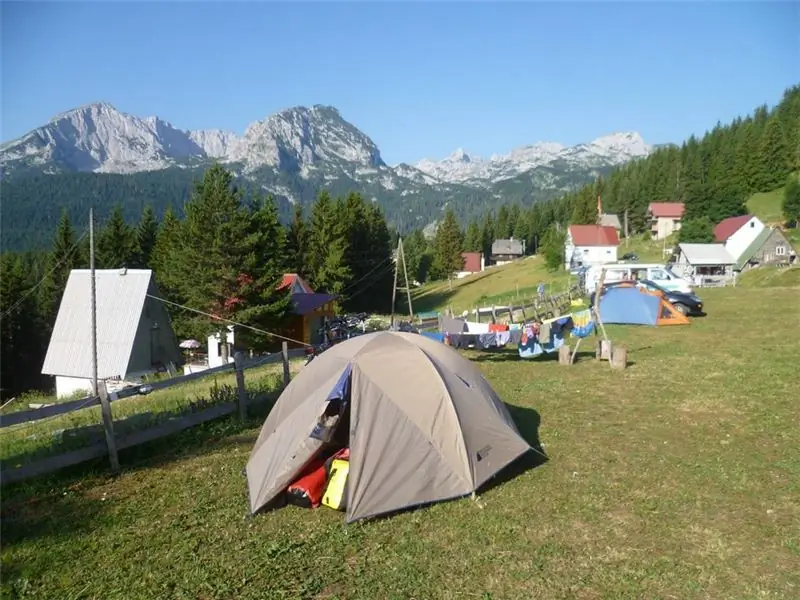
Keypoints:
pixel 229 269
pixel 713 175
pixel 344 244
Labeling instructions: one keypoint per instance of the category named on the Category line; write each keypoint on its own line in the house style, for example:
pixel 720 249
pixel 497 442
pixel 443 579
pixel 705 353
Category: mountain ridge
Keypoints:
pixel 292 154
pixel 284 139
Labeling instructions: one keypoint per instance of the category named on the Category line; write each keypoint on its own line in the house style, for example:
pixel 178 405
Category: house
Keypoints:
pixel 134 332
pixel 310 310
pixel 608 220
pixel 769 248
pixel 473 263
pixel 309 314
pixel 737 233
pixel 504 251
pixel 665 218
pixel 704 263
pixel 590 245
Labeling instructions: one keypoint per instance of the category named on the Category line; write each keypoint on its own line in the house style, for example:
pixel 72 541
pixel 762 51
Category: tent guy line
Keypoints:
pixel 216 318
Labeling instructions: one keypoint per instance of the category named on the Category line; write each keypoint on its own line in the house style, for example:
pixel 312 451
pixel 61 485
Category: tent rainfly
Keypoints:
pixel 627 305
pixel 421 422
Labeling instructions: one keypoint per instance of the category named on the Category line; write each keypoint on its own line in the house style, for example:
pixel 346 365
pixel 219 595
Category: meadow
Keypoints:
pixel 678 477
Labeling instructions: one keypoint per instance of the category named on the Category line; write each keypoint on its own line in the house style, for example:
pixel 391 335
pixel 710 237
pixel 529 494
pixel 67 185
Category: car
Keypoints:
pixel 686 304
pixel 630 256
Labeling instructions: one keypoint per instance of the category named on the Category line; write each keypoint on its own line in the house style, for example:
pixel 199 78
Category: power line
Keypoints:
pixel 46 275
pixel 216 318
pixel 384 262
pixel 376 277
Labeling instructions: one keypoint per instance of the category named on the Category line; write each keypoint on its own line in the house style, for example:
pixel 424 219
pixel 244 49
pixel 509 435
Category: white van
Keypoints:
pixel 661 275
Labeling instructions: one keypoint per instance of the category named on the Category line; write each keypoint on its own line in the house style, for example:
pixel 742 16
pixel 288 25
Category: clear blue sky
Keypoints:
pixel 421 79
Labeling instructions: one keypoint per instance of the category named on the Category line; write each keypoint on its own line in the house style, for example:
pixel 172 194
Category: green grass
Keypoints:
pixel 676 478
pixel 768 206
pixel 771 277
pixel 515 282
pixel 36 439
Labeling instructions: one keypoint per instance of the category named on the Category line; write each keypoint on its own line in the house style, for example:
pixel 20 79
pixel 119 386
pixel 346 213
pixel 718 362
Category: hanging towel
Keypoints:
pixel 502 338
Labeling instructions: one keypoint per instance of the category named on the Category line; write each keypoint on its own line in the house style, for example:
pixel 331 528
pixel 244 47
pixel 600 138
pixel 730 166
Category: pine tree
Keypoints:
pixel 488 234
pixel 745 165
pixel 552 248
pixel 697 231
pixel 791 201
pixel 585 210
pixel 447 259
pixel 473 241
pixel 146 235
pixel 327 246
pixel 217 264
pixel 502 227
pixel 165 248
pixel 261 268
pixel 775 158
pixel 115 243
pixel 296 240
pixel 21 340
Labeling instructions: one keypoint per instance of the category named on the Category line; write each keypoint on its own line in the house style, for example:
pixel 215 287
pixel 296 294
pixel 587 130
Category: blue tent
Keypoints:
pixel 629 306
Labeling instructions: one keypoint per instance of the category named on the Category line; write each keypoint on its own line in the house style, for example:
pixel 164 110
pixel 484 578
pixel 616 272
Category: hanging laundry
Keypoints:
pixel 502 338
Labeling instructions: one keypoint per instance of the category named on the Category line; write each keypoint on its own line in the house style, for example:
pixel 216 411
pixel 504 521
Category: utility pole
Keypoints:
pixel 626 227
pixel 405 276
pixel 97 388
pixel 401 255
pixel 93 302
pixel 394 285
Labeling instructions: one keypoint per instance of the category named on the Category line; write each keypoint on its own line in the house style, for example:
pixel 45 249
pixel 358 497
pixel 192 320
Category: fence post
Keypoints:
pixel 238 361
pixel 285 356
pixel 108 425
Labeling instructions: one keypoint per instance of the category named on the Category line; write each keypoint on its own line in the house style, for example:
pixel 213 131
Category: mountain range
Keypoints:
pixel 292 154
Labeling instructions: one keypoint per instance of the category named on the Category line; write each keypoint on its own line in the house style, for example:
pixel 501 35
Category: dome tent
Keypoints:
pixel 422 425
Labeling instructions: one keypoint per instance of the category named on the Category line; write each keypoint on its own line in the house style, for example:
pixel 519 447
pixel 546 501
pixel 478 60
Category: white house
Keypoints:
pixel 215 350
pixel 134 332
pixel 665 218
pixel 738 233
pixel 699 261
pixel 590 245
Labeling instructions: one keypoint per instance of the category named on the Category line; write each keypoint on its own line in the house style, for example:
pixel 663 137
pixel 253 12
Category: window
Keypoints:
pixel 586 251
pixel 780 250
pixel 659 275
pixel 752 223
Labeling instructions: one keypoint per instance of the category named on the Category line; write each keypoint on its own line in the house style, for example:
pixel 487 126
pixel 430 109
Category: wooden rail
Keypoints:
pixel 173 425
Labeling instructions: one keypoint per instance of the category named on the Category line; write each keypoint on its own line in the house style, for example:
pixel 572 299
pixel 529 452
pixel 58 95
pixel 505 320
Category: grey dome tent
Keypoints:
pixel 422 425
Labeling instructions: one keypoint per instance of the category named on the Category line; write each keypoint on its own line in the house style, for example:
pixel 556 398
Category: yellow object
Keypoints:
pixel 336 490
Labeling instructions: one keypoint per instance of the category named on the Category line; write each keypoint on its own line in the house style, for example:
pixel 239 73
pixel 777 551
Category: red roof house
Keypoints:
pixel 726 228
pixel 593 235
pixel 666 210
pixel 295 283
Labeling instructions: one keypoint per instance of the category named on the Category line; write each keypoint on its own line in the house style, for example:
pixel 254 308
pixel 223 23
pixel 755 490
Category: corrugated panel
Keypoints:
pixel 707 254
pixel 120 299
pixel 754 247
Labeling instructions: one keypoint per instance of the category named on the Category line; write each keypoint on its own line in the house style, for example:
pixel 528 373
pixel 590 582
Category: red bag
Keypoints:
pixel 307 491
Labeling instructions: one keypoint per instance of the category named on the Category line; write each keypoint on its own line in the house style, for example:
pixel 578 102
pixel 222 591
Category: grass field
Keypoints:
pixel 512 283
pixel 677 478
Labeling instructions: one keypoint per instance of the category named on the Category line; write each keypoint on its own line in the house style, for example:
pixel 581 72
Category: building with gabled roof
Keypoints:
pixel 737 233
pixel 134 331
pixel 665 218
pixel 590 245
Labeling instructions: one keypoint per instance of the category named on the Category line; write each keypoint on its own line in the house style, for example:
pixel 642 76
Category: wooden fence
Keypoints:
pixel 114 443
pixel 546 307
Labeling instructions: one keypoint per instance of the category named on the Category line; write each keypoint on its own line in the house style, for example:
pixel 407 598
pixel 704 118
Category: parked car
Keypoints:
pixel 686 304
pixel 630 256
